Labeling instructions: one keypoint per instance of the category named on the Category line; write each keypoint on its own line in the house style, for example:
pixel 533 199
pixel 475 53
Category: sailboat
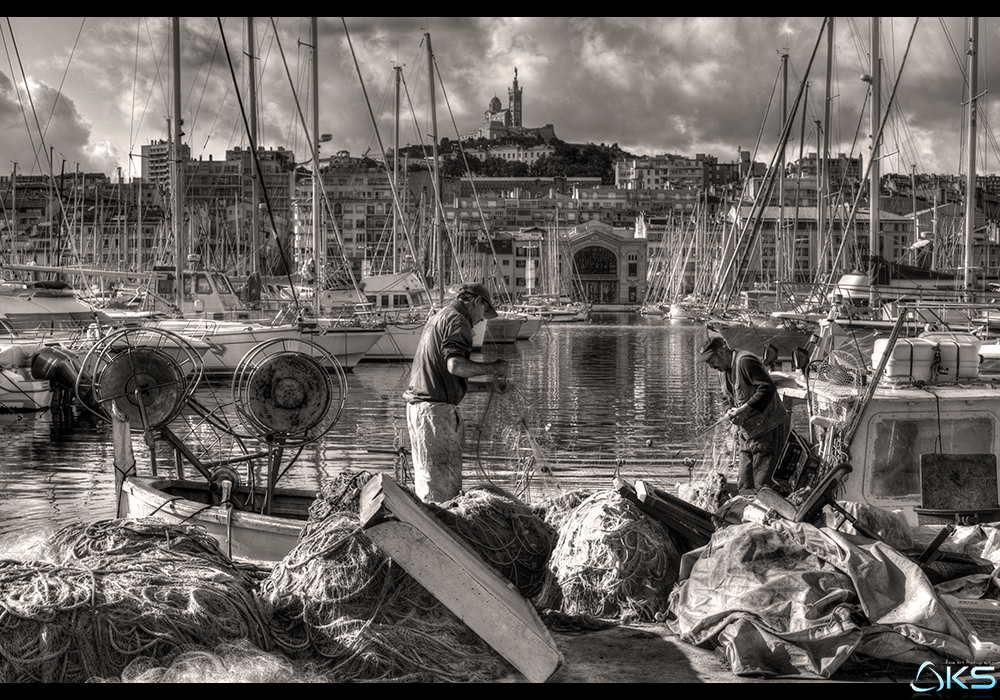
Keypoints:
pixel 207 304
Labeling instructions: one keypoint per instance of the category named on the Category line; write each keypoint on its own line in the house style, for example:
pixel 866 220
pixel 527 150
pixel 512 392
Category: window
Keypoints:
pixel 633 269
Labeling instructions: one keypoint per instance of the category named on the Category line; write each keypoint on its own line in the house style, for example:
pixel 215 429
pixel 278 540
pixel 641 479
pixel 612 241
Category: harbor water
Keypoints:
pixel 622 393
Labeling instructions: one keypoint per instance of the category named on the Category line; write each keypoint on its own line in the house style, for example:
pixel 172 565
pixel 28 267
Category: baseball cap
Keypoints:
pixel 480 291
pixel 711 345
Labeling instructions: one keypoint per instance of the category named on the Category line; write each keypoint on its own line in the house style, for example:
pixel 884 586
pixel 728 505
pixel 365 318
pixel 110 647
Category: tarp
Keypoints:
pixel 792 600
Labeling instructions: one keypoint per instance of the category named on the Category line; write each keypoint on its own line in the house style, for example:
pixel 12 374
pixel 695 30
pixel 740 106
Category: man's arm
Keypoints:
pixel 464 367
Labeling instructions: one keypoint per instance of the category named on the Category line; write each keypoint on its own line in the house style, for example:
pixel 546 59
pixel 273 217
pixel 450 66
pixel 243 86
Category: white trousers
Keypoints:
pixel 437 433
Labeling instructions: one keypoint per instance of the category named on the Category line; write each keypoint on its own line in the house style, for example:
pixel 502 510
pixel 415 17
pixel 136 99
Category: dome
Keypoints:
pixel 495 104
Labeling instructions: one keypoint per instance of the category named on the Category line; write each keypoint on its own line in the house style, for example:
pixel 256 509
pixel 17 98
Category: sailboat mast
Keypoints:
pixel 875 177
pixel 319 249
pixel 823 173
pixel 779 232
pixel 438 242
pixel 255 242
pixel 178 167
pixel 395 172
pixel 970 173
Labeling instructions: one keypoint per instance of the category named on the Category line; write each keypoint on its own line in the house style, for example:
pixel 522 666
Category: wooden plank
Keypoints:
pixel 688 524
pixel 699 527
pixel 458 577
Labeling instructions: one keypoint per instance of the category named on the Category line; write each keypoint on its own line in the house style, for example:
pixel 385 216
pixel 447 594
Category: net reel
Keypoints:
pixel 145 374
pixel 285 395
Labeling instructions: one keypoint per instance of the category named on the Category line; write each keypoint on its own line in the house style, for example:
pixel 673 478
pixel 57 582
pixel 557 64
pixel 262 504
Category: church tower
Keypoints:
pixel 514 94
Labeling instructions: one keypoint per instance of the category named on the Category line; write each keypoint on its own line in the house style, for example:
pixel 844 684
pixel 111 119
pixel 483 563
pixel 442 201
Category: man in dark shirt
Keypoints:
pixel 756 409
pixel 438 383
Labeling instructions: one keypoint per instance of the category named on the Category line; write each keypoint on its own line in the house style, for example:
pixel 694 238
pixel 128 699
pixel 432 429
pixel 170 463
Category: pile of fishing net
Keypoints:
pixel 554 510
pixel 339 601
pixel 119 591
pixel 504 532
pixel 612 561
pixel 230 662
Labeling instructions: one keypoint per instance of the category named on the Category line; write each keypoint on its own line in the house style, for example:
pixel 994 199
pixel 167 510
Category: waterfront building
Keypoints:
pixel 667 172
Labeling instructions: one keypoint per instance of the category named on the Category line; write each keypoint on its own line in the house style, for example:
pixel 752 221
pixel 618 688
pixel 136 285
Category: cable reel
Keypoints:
pixel 285 394
pixel 146 374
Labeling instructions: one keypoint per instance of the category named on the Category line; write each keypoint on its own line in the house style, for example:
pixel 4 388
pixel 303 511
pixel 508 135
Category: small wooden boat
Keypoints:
pixel 401 527
pixel 242 534
pixel 283 398
pixel 504 328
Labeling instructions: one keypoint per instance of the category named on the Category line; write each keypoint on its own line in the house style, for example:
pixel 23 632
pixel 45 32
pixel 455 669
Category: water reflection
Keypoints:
pixel 622 392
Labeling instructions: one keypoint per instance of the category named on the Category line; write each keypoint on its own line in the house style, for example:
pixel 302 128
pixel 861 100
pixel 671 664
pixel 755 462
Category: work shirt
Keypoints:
pixel 447 334
pixel 748 381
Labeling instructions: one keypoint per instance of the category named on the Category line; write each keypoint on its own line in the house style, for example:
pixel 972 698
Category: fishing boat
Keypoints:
pixel 928 396
pixel 284 396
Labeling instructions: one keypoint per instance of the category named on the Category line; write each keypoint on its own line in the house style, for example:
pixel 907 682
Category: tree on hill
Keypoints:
pixel 580 160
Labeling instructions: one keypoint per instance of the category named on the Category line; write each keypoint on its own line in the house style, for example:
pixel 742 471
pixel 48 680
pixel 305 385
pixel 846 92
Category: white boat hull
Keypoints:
pixel 19 392
pixel 503 329
pixel 399 342
pixel 241 534
pixel 230 342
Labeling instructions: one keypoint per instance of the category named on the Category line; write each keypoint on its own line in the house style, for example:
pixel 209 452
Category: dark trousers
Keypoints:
pixel 758 458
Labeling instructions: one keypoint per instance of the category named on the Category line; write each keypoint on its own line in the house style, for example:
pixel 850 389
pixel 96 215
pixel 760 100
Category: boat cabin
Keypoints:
pixel 901 424
pixel 44 309
pixel 935 397
pixel 394 297
pixel 205 294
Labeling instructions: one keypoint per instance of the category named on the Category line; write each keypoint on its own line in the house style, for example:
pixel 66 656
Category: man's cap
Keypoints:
pixel 482 292
pixel 710 345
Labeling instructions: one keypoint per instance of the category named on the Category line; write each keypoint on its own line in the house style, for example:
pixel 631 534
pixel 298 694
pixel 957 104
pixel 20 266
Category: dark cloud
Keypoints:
pixel 651 84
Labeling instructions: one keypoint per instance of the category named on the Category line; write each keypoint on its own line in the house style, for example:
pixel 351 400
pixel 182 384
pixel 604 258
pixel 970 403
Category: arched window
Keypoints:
pixel 596 260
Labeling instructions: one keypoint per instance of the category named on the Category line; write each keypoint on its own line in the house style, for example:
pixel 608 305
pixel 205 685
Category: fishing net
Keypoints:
pixel 507 444
pixel 612 561
pixel 554 510
pixel 708 492
pixel 115 591
pixel 236 662
pixel 837 388
pixel 339 601
pixel 504 532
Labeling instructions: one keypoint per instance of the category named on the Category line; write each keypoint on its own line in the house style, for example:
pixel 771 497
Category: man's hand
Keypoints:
pixel 737 414
pixel 500 368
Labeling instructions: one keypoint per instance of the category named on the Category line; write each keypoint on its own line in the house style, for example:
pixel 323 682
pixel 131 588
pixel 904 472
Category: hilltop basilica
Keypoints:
pixel 499 122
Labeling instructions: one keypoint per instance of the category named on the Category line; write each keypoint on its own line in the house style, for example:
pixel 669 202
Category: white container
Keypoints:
pixel 958 355
pixel 910 360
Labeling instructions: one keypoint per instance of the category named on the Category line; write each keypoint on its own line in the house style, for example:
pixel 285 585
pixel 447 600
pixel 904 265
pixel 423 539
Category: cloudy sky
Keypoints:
pixel 94 90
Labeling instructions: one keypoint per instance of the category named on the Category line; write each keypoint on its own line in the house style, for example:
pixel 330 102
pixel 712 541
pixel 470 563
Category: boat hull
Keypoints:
pixel 503 329
pixel 20 393
pixel 229 343
pixel 241 534
pixel 398 343
pixel 531 325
